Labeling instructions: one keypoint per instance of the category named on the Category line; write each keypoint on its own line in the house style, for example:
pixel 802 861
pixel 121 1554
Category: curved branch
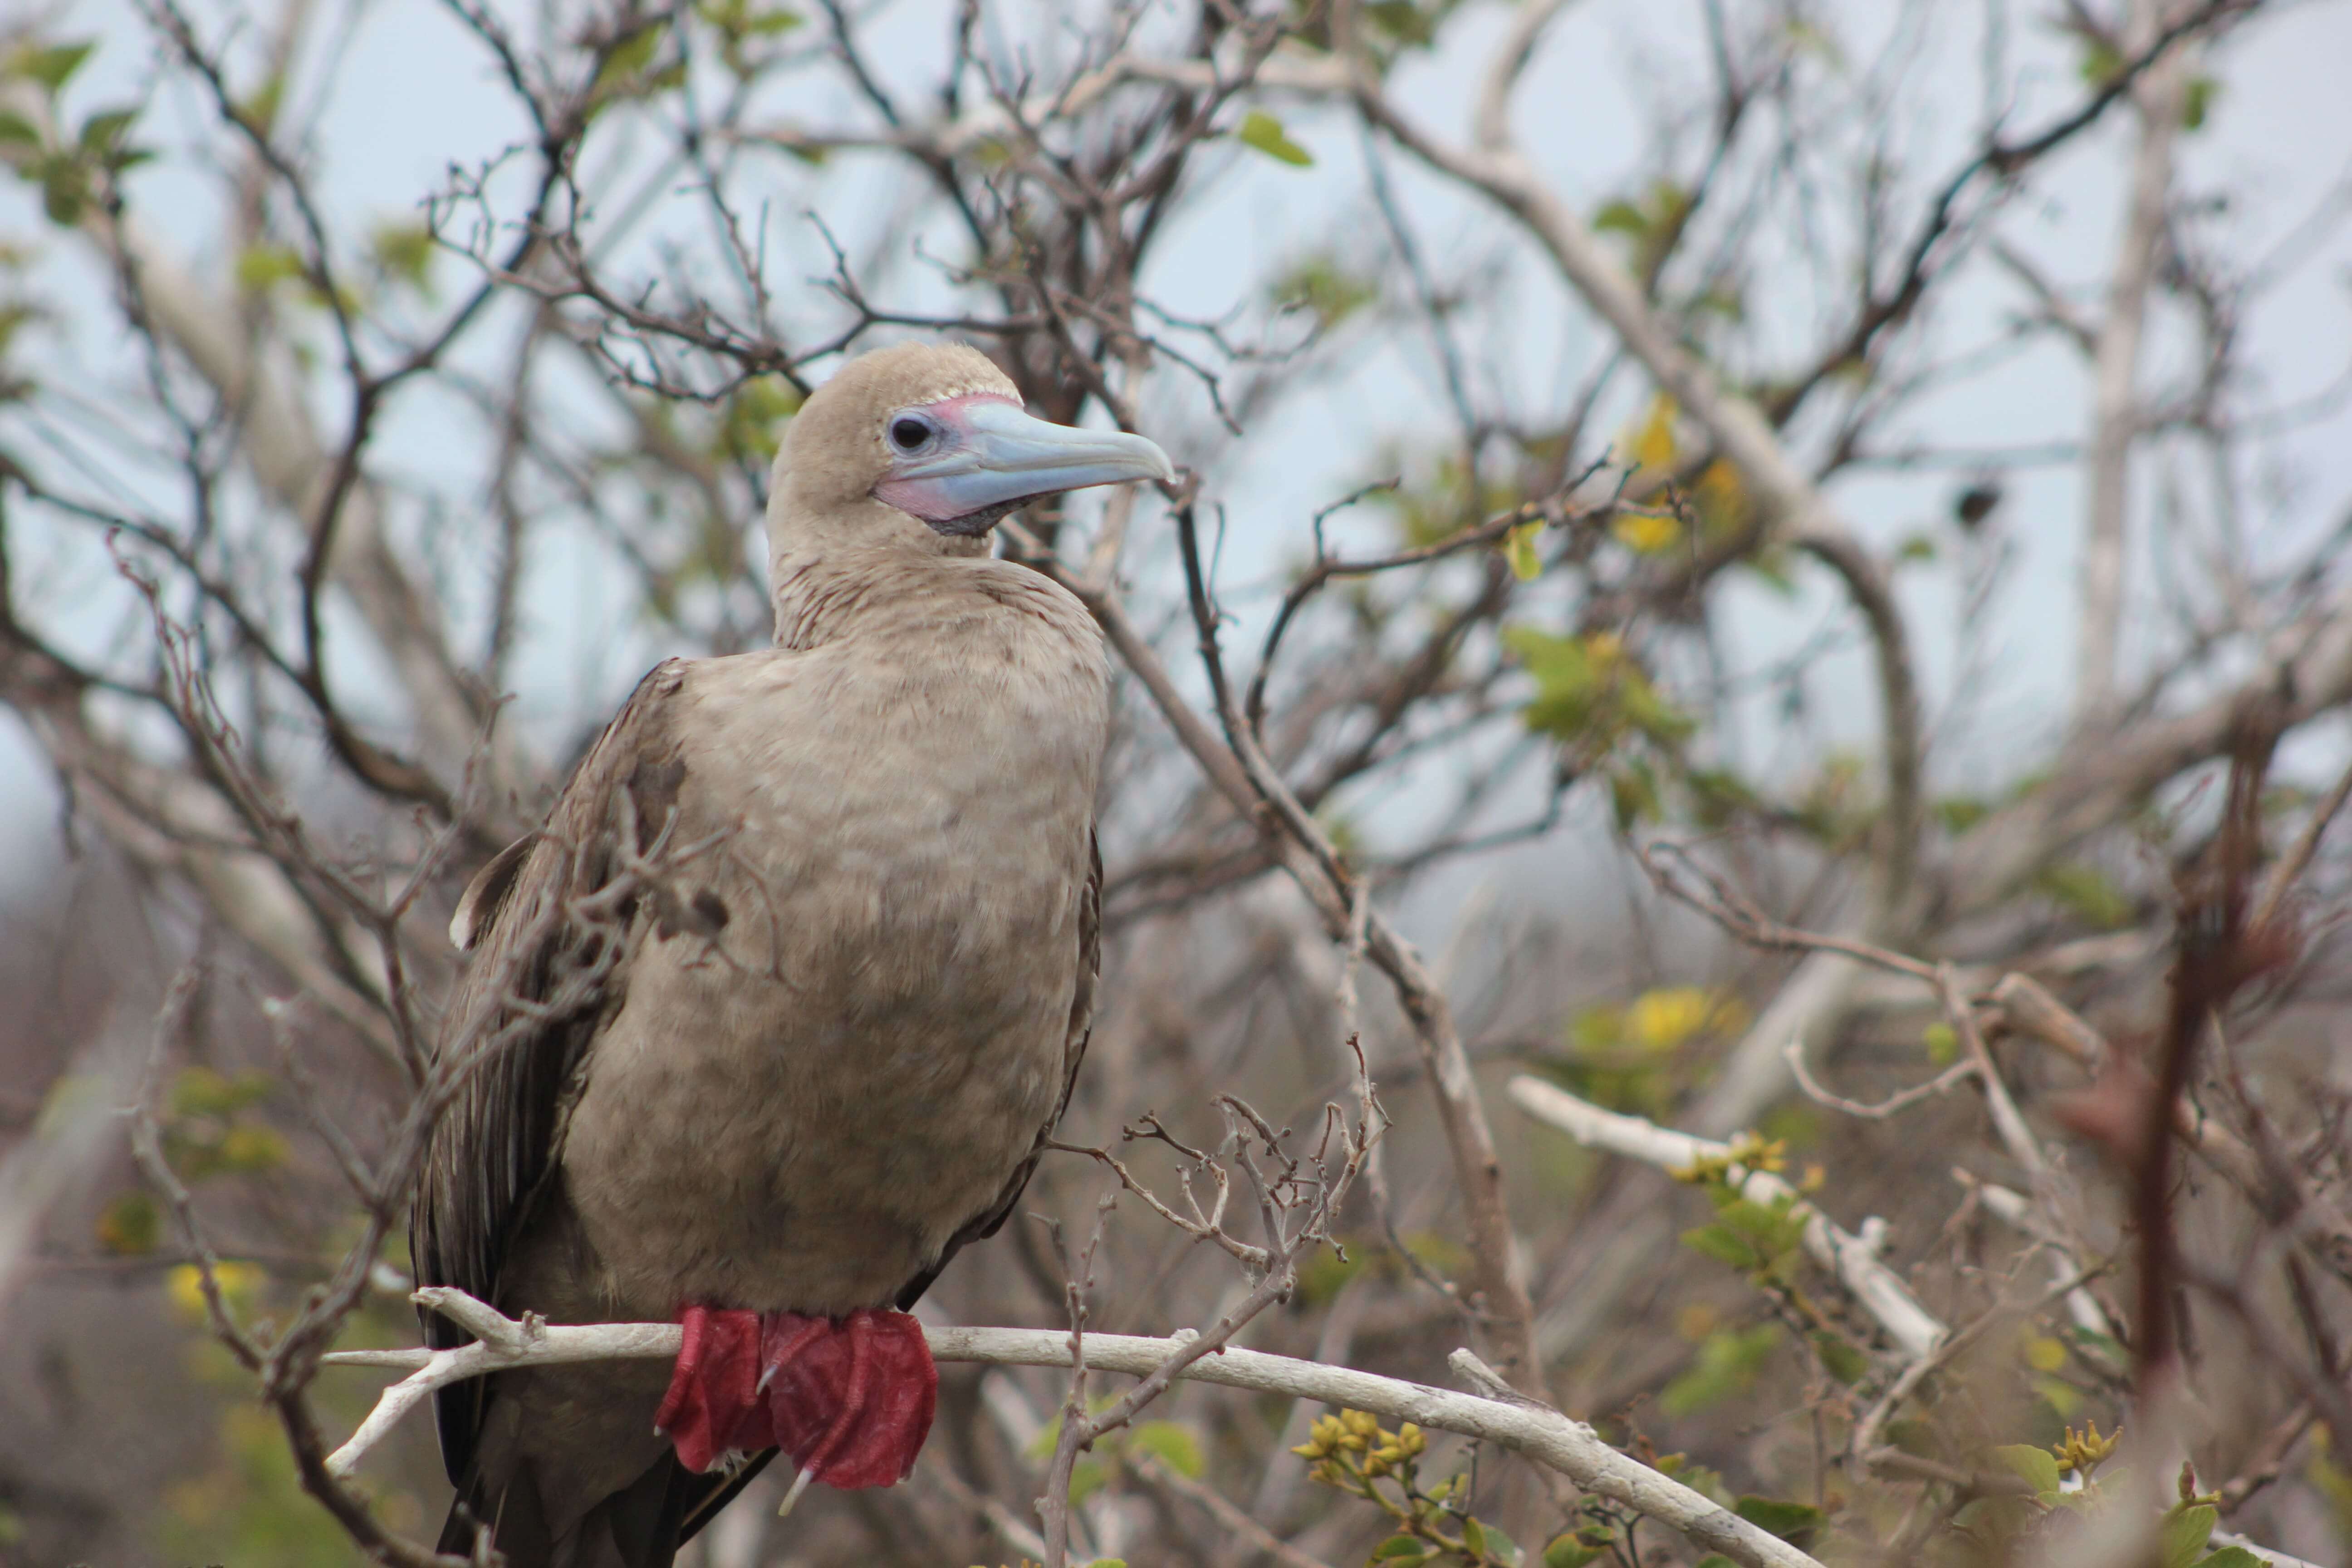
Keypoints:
pixel 1878 1288
pixel 1536 1431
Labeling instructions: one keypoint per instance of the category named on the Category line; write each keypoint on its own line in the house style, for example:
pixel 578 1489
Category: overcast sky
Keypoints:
pixel 412 96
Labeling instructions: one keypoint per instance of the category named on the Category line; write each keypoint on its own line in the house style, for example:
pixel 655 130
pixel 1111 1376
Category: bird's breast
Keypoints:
pixel 854 1030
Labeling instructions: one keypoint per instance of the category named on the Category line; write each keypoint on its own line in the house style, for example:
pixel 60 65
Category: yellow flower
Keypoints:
pixel 1321 1439
pixel 1753 1151
pixel 1653 443
pixel 2083 1451
pixel 185 1285
pixel 1661 1020
pixel 1721 498
pixel 1647 533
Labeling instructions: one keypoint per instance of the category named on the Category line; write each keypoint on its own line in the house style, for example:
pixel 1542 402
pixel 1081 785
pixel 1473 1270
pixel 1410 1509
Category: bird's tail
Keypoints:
pixel 640 1527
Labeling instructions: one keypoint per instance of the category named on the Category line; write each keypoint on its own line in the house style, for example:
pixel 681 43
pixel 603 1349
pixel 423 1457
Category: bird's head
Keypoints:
pixel 927 445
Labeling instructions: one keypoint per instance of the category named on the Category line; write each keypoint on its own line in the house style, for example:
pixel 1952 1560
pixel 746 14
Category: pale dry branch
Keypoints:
pixel 1240 772
pixel 1874 1286
pixel 2116 416
pixel 1536 1431
pixel 1894 1104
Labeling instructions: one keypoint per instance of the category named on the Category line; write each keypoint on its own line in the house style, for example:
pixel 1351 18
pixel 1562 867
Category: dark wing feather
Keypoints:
pixel 496 1143
pixel 991 1220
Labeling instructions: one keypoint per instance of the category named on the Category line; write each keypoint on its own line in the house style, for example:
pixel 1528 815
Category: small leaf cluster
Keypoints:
pixel 209 1129
pixel 70 170
pixel 1265 132
pixel 1640 1056
pixel 1593 696
pixel 1996 1525
pixel 1353 1453
pixel 743 28
pixel 1391 27
pixel 1171 1443
pixel 1321 286
pixel 632 68
pixel 1763 1239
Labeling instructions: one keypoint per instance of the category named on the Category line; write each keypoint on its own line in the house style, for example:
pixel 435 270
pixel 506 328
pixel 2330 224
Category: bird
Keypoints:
pixel 779 1008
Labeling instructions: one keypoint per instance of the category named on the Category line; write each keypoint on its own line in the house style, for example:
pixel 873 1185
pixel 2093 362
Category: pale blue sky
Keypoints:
pixel 414 95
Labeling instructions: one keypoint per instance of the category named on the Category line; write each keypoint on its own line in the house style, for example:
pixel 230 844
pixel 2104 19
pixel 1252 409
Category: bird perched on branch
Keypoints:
pixel 777 1011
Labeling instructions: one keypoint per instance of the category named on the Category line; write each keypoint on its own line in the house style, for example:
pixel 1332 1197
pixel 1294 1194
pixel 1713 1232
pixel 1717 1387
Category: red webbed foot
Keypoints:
pixel 714 1406
pixel 850 1399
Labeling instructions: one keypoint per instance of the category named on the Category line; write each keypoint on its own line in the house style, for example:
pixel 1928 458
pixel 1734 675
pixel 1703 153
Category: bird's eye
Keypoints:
pixel 910 434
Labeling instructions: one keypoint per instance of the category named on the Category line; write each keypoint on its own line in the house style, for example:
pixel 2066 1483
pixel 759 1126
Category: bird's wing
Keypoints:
pixel 990 1220
pixel 541 983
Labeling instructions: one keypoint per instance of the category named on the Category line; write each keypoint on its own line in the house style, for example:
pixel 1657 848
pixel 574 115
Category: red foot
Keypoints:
pixel 851 1400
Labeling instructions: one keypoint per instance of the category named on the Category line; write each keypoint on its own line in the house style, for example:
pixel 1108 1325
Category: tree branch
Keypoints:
pixel 1536 1431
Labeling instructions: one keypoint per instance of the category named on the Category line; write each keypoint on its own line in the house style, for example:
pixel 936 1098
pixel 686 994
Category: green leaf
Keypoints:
pixel 1474 1536
pixel 131 1225
pixel 1620 217
pixel 1172 1445
pixel 1405 24
pixel 16 131
pixel 1519 550
pixel 1723 1244
pixel 1633 795
pixel 260 110
pixel 2085 891
pixel 405 250
pixel 1942 1045
pixel 2035 1464
pixel 1320 286
pixel 1729 1361
pixel 2195 105
pixel 1845 1364
pixel 1502 1548
pixel 1591 693
pixel 2185 1532
pixel 1265 132
pixel 102 131
pixel 249 1147
pixel 1399 1546
pixel 1794 1522
pixel 2231 1557
pixel 51 67
pixel 627 61
pixel 1772 1229
pixel 2101 63
pixel 1914 1438
pixel 1568 1552
pixel 1959 813
pixel 261 265
pixel 65 190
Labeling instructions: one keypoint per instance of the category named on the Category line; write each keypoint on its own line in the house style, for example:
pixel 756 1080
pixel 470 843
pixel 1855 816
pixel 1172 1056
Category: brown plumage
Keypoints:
pixel 806 955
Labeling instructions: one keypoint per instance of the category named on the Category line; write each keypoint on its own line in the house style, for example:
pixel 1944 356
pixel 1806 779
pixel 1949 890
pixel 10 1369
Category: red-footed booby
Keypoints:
pixel 786 996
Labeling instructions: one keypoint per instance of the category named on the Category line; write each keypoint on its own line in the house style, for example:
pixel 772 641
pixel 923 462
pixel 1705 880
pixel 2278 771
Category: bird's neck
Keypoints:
pixel 829 596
